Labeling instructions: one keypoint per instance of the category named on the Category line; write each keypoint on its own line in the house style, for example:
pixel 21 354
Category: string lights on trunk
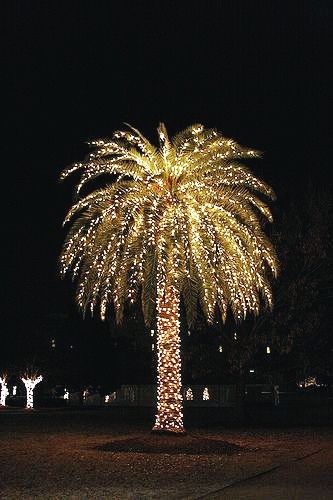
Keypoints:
pixel 30 382
pixel 4 389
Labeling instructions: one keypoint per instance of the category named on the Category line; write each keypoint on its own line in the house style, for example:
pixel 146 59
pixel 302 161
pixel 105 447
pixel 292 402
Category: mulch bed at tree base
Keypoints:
pixel 184 444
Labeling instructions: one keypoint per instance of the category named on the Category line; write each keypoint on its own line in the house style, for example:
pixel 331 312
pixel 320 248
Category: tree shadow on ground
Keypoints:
pixel 173 445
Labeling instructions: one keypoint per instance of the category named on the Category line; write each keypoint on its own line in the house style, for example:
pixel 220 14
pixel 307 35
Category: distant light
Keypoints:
pixel 152 332
pixel 268 350
pixel 71 346
pixel 30 383
pixel 252 370
pixel 107 398
pixel 14 390
pixel 66 395
pixel 153 347
pixel 189 394
pixel 235 336
pixel 53 343
pixel 221 348
pixel 4 389
pixel 205 395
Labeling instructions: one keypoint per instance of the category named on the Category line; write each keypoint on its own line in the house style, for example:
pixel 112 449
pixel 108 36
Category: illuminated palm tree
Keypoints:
pixel 3 389
pixel 30 379
pixel 177 222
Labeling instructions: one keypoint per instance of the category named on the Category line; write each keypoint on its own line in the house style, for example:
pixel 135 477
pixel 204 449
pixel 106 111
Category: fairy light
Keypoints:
pixel 205 395
pixel 30 382
pixel 169 415
pixel 4 389
pixel 308 382
pixel 183 219
pixel 189 394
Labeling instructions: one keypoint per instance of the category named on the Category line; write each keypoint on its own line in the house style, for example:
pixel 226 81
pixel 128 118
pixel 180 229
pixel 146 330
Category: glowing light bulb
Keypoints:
pixel 189 394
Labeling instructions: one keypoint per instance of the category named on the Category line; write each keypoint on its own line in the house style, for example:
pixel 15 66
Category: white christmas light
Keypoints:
pixel 189 394
pixel 4 389
pixel 308 382
pixel 205 395
pixel 30 383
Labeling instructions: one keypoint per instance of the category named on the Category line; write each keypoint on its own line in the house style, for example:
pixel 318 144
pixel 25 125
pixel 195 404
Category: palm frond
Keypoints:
pixel 186 212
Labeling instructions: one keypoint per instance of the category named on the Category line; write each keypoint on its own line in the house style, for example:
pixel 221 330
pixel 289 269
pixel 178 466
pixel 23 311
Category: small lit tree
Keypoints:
pixel 4 389
pixel 181 221
pixel 31 379
pixel 205 395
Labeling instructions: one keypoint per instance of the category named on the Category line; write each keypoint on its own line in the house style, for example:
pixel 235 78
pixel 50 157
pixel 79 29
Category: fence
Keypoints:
pixel 193 395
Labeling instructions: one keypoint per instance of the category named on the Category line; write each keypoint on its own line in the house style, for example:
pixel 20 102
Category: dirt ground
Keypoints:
pixel 83 455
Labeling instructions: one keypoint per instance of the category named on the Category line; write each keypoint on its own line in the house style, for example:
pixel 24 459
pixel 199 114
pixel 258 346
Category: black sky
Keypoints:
pixel 260 71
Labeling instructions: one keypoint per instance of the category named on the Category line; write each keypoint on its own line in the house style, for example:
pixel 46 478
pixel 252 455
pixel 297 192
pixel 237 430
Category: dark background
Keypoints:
pixel 259 71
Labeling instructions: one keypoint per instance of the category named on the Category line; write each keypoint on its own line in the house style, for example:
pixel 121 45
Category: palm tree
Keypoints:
pixel 181 221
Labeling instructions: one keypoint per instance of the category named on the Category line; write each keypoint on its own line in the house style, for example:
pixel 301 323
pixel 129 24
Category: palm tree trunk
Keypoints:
pixel 169 416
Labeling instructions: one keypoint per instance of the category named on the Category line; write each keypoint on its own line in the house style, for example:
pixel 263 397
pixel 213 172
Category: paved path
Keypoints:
pixel 310 478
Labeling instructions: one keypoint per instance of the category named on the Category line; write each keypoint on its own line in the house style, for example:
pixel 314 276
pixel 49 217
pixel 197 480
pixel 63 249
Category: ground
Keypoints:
pixel 59 454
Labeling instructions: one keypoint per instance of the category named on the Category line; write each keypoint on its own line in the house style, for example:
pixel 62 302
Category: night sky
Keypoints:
pixel 259 71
